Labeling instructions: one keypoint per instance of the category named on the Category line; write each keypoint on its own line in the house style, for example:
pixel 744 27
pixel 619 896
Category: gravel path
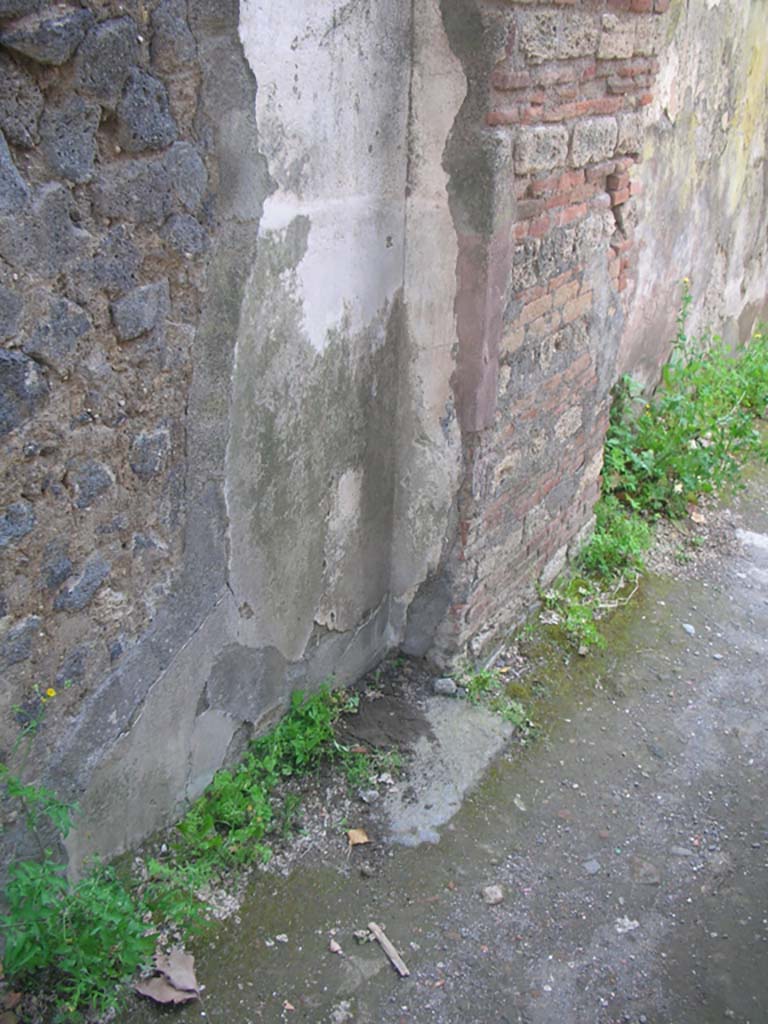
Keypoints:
pixel 628 847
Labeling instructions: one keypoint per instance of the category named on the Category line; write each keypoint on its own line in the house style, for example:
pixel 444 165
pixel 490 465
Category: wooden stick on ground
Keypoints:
pixel 389 949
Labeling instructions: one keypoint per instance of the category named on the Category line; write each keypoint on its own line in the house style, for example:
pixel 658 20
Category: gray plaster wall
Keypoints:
pixel 703 213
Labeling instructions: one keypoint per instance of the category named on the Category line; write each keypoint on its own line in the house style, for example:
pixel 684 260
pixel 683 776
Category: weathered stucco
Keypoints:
pixel 309 325
pixel 703 212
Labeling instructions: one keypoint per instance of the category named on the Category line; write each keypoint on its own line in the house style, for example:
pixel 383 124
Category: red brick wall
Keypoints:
pixel 569 93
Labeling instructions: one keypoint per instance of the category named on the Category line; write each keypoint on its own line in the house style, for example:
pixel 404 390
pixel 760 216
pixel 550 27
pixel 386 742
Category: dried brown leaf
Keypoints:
pixel 357 837
pixel 179 969
pixel 161 991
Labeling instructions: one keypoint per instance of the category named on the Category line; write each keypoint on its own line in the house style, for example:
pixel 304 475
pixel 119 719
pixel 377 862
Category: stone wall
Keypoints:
pixel 309 322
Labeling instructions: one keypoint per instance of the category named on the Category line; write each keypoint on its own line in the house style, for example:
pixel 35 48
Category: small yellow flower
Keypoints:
pixel 50 692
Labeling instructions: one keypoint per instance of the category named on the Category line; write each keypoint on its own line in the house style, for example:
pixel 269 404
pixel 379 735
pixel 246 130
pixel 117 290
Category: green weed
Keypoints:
pixel 487 687
pixel 80 942
pixel 693 436
pixel 690 438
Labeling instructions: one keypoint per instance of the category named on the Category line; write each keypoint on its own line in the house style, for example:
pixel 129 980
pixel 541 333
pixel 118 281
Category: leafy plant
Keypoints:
pixel 232 821
pixel 618 542
pixel 87 938
pixel 362 769
pixel 694 434
pixel 689 439
pixel 229 822
pixel 487 687
pixel 80 942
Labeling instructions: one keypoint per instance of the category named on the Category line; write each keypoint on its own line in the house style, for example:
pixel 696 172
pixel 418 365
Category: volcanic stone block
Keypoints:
pixel 50 37
pixel 72 668
pixel 631 134
pixel 21 103
pixel 558 35
pixel 23 388
pixel 149 453
pixel 147 190
pixel 649 36
pixel 57 566
pixel 18 642
pixel 105 58
pixel 11 306
pixel 113 267
pixel 17 8
pixel 89 479
pixel 173 44
pixel 16 522
pixel 617 39
pixel 69 138
pixel 85 587
pixel 54 341
pixel 14 191
pixel 184 233
pixel 43 238
pixel 140 310
pixel 144 119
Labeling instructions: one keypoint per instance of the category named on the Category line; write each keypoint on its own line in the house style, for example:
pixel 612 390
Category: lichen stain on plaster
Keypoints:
pixel 746 134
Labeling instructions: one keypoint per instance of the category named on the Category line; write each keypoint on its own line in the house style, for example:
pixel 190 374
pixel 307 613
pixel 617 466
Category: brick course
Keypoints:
pixel 570 91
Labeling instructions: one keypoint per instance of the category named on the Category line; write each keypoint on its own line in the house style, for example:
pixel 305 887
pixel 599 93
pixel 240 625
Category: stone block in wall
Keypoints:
pixel 68 136
pixel 11 306
pixel 21 103
pixel 23 388
pixel 50 37
pixel 16 522
pixel 631 134
pixel 141 310
pixel 173 44
pixel 524 265
pixel 105 59
pixel 144 119
pixel 594 139
pixel 89 480
pixel 54 339
pixel 184 233
pixel 571 420
pixel 56 567
pixel 540 148
pixel 16 8
pixel 147 190
pixel 84 589
pixel 14 191
pixel 112 268
pixel 649 36
pixel 18 643
pixel 149 453
pixel 43 236
pixel 560 35
pixel 617 38
pixel 72 668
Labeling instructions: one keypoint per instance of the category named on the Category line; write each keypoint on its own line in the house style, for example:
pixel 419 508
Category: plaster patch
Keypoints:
pixel 331 108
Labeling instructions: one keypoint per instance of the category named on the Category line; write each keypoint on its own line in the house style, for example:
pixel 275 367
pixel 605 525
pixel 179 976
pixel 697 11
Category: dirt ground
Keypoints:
pixel 628 843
